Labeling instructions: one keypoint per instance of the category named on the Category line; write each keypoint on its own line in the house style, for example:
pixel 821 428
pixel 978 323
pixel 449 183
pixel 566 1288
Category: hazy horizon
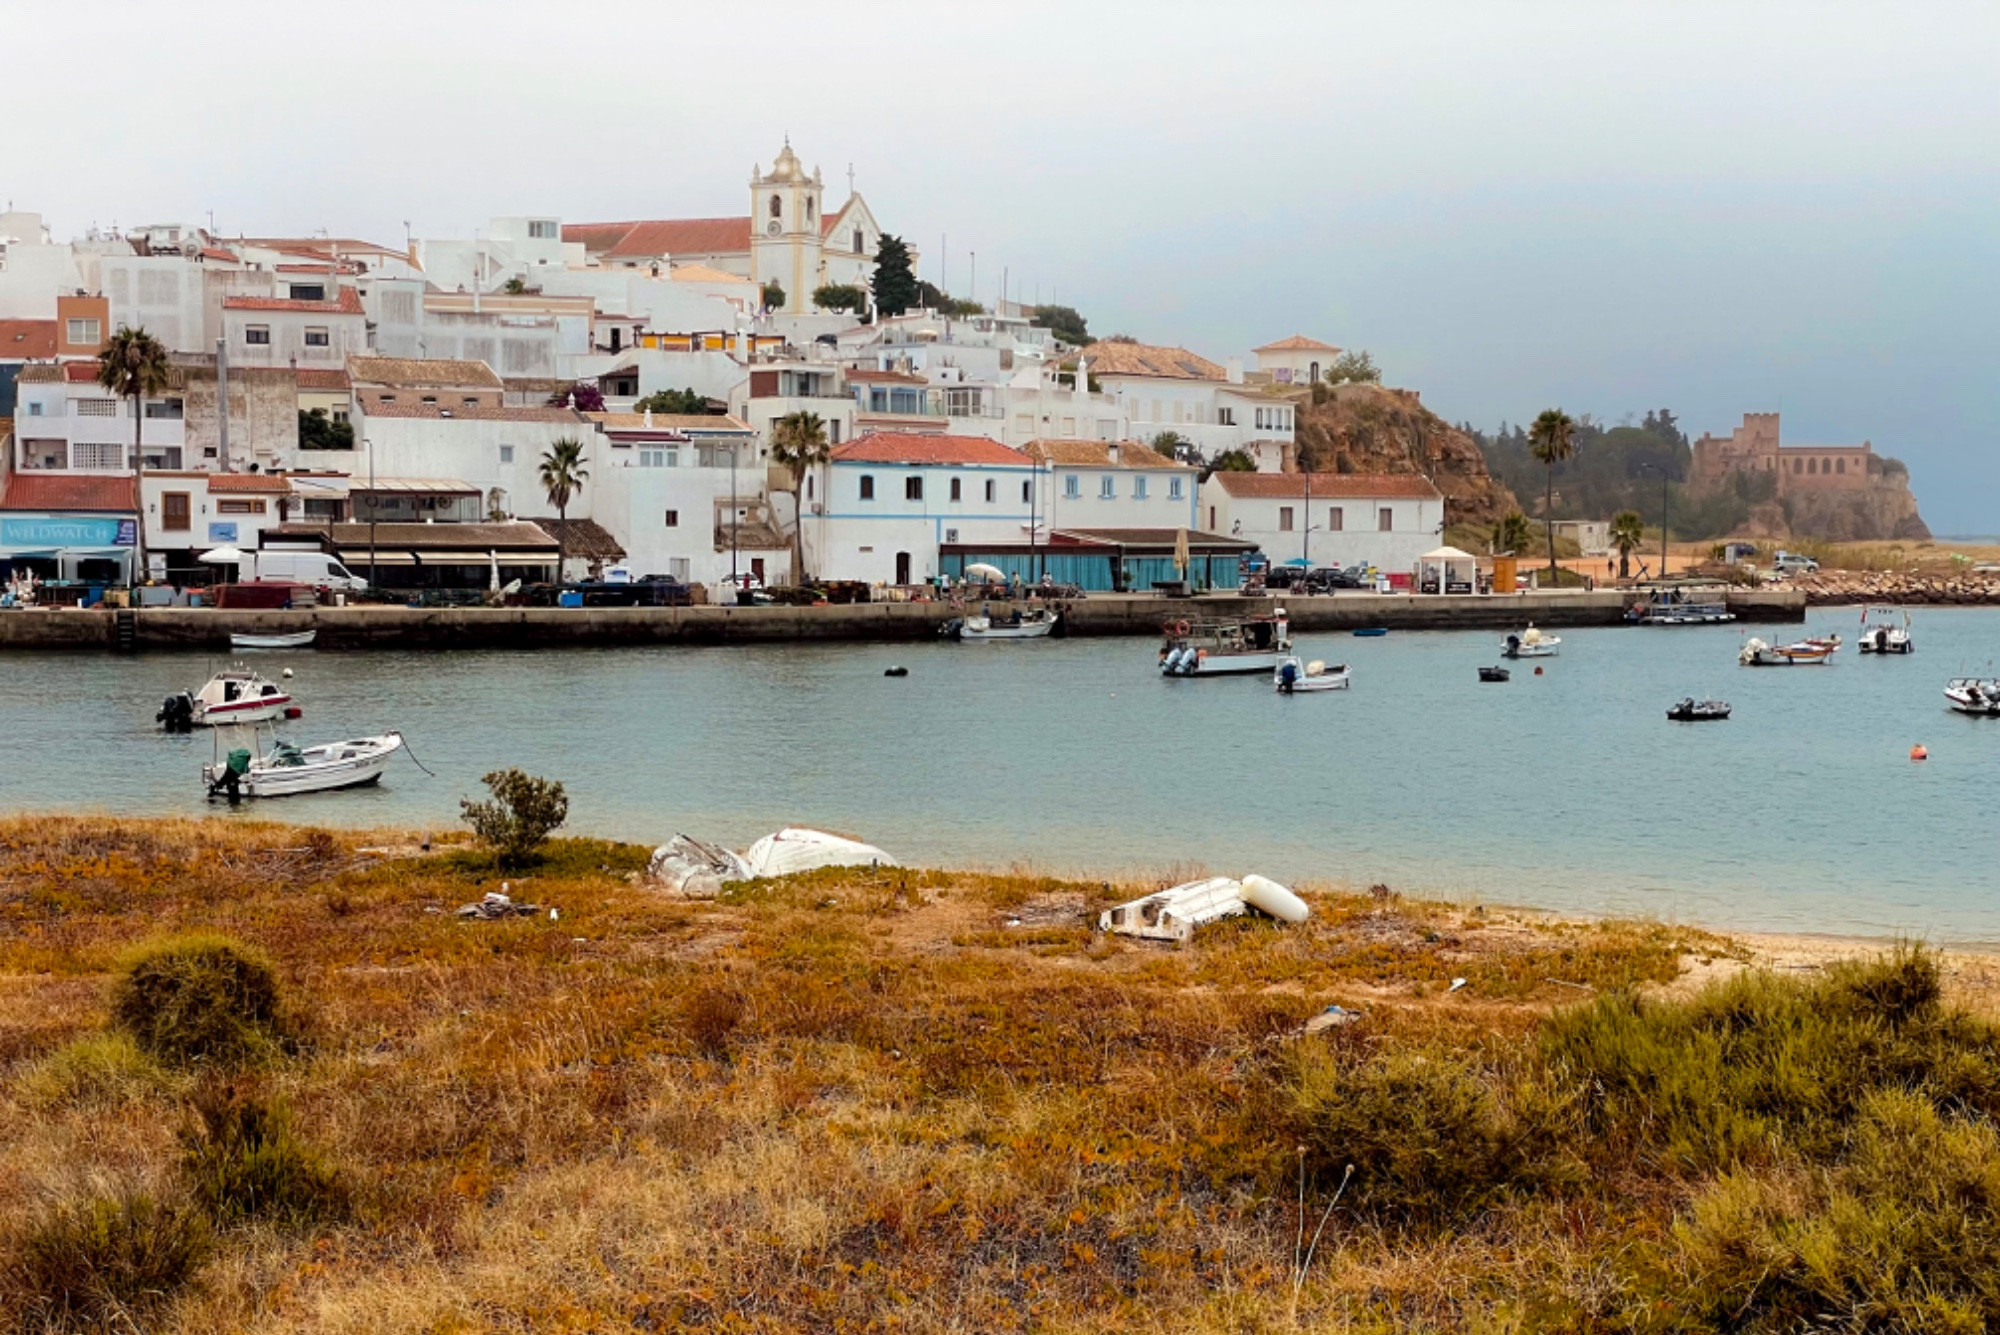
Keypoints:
pixel 1713 208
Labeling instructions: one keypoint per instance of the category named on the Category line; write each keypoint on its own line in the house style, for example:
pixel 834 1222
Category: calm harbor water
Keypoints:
pixel 1567 791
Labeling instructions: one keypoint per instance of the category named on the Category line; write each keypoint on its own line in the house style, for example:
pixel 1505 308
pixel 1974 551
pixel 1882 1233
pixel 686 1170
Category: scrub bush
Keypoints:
pixel 524 811
pixel 198 999
pixel 243 1161
pixel 97 1262
pixel 97 1071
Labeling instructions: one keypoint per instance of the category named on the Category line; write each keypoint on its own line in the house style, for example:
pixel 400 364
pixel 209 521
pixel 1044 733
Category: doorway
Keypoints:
pixel 902 567
pixel 757 570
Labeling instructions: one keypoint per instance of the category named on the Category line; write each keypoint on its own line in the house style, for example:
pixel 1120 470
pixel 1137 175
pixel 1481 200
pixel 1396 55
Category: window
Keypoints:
pixel 1071 487
pixel 239 507
pixel 1336 520
pixel 991 487
pixel 859 248
pixel 257 335
pixel 1225 417
pixel 1385 520
pixel 430 398
pixel 316 336
pixel 506 454
pixel 542 229
pixel 1260 419
pixel 97 407
pixel 1139 487
pixel 1284 519
pixel 1840 465
pixel 166 410
pixel 1106 488
pixel 913 488
pixel 388 398
pixel 1173 489
pixel 307 291
pixel 174 512
pixel 1798 465
pixel 1812 465
pixel 673 519
pixel 86 332
pixel 955 485
pixel 34 410
pixel 809 486
pixel 90 454
pixel 470 402
pixel 777 209
pixel 867 487
pixel 1026 494
pixel 809 208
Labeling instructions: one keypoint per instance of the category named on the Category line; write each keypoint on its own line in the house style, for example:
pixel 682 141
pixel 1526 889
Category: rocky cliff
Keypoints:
pixel 1886 511
pixel 1370 429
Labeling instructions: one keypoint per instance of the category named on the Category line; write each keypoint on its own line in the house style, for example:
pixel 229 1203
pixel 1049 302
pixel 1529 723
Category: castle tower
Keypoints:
pixel 785 229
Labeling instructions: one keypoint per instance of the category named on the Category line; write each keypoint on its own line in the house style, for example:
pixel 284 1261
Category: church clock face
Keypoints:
pixel 774 228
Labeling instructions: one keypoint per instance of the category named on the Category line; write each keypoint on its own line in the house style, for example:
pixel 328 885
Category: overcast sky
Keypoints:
pixel 1605 206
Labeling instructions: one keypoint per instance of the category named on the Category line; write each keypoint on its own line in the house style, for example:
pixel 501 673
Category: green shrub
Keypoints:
pixel 1758 1063
pixel 524 811
pixel 99 1261
pixel 1431 1134
pixel 198 998
pixel 95 1071
pixel 243 1161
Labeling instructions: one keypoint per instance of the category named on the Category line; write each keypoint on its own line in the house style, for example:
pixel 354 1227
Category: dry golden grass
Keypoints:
pixel 848 1101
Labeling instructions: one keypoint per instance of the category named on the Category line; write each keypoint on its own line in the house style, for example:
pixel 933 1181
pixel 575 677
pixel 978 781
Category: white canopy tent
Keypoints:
pixel 1449 569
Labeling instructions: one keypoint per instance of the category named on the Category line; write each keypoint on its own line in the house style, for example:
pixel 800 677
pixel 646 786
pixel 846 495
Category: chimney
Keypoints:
pixel 1235 370
pixel 1111 452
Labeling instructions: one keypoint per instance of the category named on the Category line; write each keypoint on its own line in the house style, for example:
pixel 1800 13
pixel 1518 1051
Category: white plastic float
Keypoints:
pixel 1174 914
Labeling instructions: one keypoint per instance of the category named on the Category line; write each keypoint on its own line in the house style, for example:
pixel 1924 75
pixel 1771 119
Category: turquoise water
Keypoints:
pixel 1568 791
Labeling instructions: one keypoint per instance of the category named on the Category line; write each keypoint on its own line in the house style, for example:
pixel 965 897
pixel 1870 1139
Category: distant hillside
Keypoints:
pixel 1369 429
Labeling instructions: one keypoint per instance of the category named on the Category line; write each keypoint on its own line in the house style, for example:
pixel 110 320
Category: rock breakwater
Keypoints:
pixel 1834 587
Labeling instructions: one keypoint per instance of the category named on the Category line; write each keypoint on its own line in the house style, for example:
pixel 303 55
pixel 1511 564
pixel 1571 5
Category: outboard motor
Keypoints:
pixel 1288 677
pixel 230 782
pixel 176 713
pixel 952 629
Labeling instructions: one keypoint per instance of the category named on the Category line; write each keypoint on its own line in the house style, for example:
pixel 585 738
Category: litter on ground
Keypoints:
pixel 1174 914
pixel 697 870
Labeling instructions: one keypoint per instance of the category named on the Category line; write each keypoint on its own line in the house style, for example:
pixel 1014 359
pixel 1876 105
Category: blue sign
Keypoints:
pixel 67 531
pixel 221 532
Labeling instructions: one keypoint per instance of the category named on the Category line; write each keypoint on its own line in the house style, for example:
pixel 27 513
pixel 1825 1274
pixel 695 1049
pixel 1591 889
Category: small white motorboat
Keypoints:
pixel 1978 696
pixel 1881 633
pixel 287 770
pixel 297 640
pixel 1805 653
pixel 238 695
pixel 1293 677
pixel 1032 623
pixel 1531 643
pixel 1225 648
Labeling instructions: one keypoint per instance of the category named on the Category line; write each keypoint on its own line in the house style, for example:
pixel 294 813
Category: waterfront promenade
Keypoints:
pixel 550 627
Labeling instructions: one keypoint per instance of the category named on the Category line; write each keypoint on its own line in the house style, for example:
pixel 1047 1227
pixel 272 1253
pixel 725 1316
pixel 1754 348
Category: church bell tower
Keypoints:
pixel 785 230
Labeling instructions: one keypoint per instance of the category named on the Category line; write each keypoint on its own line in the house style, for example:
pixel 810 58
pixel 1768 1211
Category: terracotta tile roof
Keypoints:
pixel 84 372
pixel 481 412
pixel 585 539
pixel 313 377
pixel 262 484
pixel 1154 537
pixel 668 422
pixel 102 493
pixel 217 253
pixel 896 447
pixel 704 273
pixel 677 236
pixel 41 373
pixel 326 246
pixel 1297 343
pixel 422 373
pixel 327 268
pixel 474 540
pixel 1145 359
pixel 1333 486
pixel 886 378
pixel 27 338
pixel 1097 454
pixel 347 303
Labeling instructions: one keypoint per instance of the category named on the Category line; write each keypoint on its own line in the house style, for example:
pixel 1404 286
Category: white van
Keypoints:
pixel 314 568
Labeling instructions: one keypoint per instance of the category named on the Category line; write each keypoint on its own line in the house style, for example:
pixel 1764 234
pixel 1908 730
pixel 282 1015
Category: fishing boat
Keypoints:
pixel 1495 674
pixel 1681 605
pixel 238 695
pixel 1756 653
pixel 1530 643
pixel 1033 623
pixel 1294 677
pixel 286 770
pixel 1692 710
pixel 1882 633
pixel 1225 648
pixel 1370 632
pixel 1979 696
pixel 296 640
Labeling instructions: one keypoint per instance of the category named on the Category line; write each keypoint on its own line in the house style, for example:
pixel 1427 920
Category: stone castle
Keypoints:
pixel 1754 448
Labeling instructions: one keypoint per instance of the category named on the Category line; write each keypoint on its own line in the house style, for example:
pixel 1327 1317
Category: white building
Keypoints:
pixel 513 248
pixel 34 270
pixel 496 450
pixel 64 422
pixel 1171 389
pixel 890 500
pixel 1297 360
pixel 281 331
pixel 1384 520
pixel 1095 484
pixel 686 497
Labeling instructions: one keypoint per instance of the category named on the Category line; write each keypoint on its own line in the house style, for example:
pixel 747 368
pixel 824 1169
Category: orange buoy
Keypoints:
pixel 1919 752
pixel 1538 670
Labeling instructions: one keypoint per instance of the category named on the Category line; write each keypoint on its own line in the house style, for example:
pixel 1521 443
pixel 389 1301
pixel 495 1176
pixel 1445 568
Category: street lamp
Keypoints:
pixel 373 505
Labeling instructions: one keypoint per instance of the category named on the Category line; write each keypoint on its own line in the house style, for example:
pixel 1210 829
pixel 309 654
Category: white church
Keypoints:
pixel 788 238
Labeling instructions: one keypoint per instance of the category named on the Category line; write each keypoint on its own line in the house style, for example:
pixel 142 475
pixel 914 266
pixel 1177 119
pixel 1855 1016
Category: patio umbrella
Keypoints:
pixel 224 556
pixel 1181 552
pixel 1298 561
pixel 980 570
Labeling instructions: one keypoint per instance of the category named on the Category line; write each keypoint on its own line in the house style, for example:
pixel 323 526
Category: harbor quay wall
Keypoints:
pixel 208 629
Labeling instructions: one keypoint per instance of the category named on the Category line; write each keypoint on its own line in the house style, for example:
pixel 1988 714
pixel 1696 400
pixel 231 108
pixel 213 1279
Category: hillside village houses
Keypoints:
pixel 439 373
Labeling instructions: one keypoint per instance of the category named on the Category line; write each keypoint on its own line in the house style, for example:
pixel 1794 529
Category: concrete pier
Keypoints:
pixel 208 629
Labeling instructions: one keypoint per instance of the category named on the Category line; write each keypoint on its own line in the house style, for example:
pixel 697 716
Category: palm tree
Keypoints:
pixel 1554 440
pixel 798 444
pixel 563 476
pixel 1512 533
pixel 132 365
pixel 1627 532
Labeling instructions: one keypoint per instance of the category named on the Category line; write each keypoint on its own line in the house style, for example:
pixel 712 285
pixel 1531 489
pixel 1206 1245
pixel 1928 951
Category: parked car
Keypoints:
pixel 1791 563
